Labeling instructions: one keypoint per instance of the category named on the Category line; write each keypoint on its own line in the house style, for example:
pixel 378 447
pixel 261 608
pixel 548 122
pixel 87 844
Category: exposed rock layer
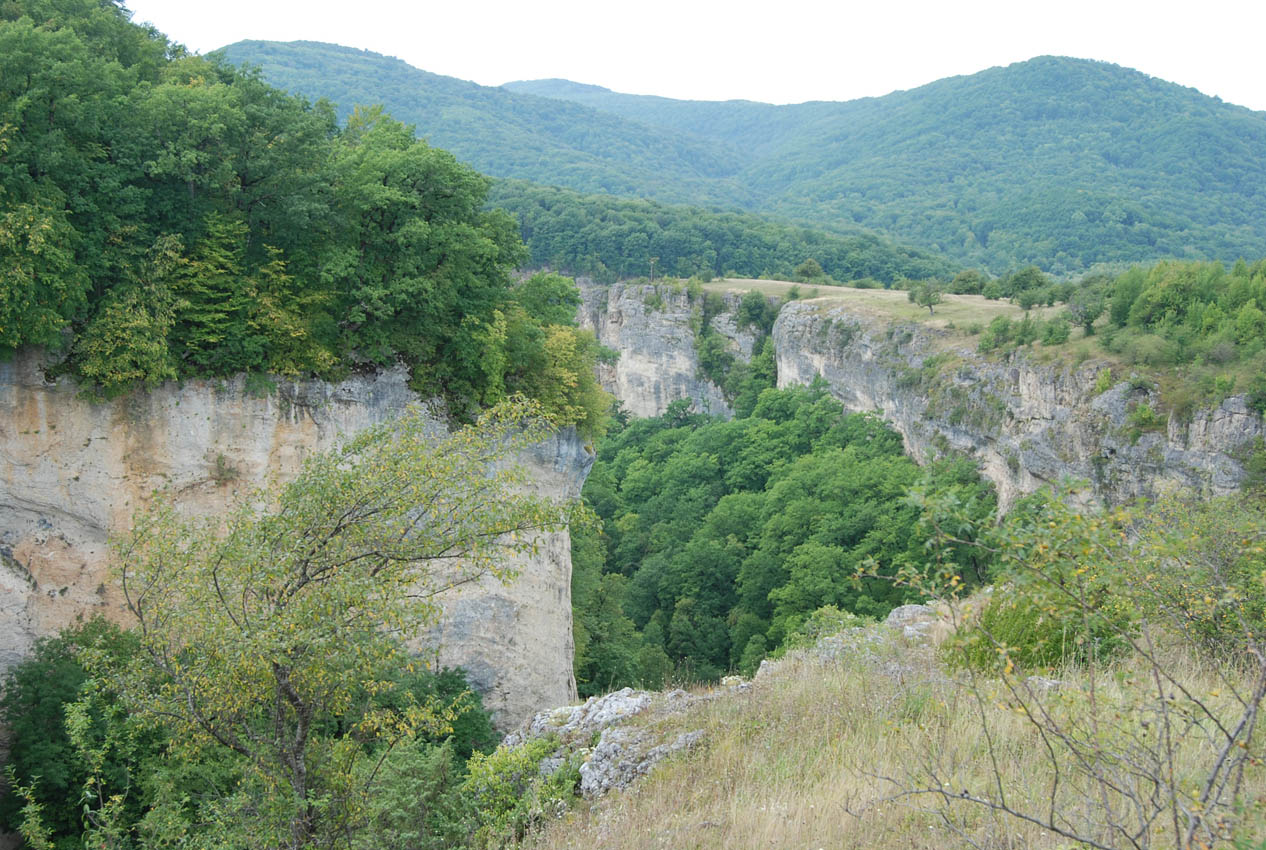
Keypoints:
pixel 1029 423
pixel 651 329
pixel 72 472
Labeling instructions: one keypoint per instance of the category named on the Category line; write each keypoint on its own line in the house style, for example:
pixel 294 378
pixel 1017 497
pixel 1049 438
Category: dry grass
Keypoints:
pixel 888 303
pixel 800 760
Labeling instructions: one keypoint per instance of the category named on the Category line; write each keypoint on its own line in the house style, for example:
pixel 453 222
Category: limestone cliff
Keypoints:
pixel 72 472
pixel 651 328
pixel 1029 423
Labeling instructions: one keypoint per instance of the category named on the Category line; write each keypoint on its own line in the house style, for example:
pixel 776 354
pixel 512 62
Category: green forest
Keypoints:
pixel 273 683
pixel 499 132
pixel 607 238
pixel 719 539
pixel 1055 161
pixel 1063 163
pixel 168 216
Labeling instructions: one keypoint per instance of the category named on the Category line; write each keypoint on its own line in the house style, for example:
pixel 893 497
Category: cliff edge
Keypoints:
pixel 72 472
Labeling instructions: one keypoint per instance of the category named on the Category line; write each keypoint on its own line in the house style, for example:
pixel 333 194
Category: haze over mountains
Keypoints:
pixel 1055 161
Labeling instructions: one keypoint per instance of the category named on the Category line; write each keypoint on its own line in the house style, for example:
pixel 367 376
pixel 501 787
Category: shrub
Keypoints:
pixel 43 757
pixel 1205 563
pixel 825 621
pixel 1142 419
pixel 511 796
pixel 1257 393
pixel 1034 631
pixel 1055 332
pixel 1056 601
pixel 1103 380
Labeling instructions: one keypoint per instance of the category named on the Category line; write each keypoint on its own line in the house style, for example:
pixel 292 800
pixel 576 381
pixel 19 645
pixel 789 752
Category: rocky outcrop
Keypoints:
pixel 614 752
pixel 1028 423
pixel 652 329
pixel 72 472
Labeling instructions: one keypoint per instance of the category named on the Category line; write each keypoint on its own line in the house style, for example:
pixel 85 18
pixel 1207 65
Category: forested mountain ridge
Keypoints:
pixel 1055 161
pixel 503 133
pixel 1071 160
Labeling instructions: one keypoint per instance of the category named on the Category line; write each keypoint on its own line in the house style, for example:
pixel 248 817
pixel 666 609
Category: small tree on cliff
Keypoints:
pixel 268 635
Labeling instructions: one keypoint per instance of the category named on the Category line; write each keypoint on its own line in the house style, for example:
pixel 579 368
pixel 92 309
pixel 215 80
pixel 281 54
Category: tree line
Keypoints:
pixel 607 238
pixel 168 216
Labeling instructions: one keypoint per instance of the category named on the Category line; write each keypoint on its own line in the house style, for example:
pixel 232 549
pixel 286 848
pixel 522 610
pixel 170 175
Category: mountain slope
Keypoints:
pixel 1055 161
pixel 500 132
pixel 1060 161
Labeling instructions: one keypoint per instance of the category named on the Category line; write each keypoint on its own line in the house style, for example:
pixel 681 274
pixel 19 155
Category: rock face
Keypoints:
pixel 651 329
pixel 1029 423
pixel 615 754
pixel 72 472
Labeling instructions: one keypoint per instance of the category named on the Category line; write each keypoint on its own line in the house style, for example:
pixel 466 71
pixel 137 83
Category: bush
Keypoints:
pixel 1000 332
pixel 1142 419
pixel 79 754
pixel 419 801
pixel 1057 598
pixel 1055 332
pixel 1103 380
pixel 509 794
pixel 43 757
pixel 1257 393
pixel 825 621
pixel 1150 350
pixel 1033 631
pixel 1205 562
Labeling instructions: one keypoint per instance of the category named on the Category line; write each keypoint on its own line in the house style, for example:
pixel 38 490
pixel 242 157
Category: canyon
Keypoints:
pixel 1028 423
pixel 72 470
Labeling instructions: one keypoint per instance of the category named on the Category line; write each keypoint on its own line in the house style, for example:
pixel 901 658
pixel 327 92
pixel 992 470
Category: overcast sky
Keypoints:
pixel 779 51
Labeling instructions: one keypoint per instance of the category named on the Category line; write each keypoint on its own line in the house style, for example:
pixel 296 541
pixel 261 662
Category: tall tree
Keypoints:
pixel 254 627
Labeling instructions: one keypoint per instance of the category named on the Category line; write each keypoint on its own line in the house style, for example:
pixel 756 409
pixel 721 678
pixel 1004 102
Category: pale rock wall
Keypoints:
pixel 658 364
pixel 72 472
pixel 1028 423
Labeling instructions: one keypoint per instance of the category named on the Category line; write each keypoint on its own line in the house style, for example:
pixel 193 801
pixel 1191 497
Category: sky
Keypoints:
pixel 778 51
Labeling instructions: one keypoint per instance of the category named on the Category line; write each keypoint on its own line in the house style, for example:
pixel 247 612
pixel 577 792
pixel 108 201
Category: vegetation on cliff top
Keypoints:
pixel 167 216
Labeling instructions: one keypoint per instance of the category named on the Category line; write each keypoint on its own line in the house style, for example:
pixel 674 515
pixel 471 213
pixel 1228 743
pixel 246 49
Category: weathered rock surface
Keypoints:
pixel 1029 423
pixel 651 329
pixel 622 753
pixel 72 473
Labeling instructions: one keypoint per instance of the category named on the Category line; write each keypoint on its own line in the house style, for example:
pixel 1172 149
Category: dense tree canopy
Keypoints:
pixel 720 537
pixel 165 215
pixel 606 237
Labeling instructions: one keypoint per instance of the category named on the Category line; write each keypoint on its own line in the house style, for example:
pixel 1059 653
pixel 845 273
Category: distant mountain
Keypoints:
pixel 1063 162
pixel 504 133
pixel 1055 161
